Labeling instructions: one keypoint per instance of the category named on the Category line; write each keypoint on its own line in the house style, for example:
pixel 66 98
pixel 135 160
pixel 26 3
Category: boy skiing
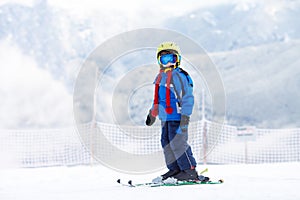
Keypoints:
pixel 173 104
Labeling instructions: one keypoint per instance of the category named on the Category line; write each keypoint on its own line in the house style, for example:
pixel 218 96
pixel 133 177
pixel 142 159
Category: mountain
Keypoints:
pixel 255 47
pixel 232 26
pixel 261 84
pixel 47 35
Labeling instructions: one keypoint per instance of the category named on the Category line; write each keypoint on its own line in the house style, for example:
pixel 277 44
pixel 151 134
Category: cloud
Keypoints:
pixel 30 97
pixel 23 2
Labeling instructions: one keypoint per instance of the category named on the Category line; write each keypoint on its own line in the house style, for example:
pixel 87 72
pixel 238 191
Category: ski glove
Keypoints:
pixel 184 122
pixel 150 119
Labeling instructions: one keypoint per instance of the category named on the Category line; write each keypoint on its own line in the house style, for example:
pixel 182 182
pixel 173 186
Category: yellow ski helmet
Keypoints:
pixel 168 46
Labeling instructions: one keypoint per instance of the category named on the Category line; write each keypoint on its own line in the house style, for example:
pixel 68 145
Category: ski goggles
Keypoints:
pixel 168 58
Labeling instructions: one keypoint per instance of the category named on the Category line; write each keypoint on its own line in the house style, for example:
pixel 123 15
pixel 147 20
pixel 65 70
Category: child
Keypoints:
pixel 173 104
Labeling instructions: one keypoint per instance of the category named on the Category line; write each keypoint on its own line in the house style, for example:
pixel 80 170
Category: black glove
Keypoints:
pixel 150 119
pixel 184 122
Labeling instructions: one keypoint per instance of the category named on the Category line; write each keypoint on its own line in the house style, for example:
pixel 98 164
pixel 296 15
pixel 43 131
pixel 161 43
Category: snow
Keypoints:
pixel 263 181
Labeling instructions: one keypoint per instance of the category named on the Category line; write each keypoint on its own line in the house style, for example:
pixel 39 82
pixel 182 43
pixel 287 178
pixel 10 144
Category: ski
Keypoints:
pixel 130 184
pixel 174 182
pixel 178 183
pixel 181 183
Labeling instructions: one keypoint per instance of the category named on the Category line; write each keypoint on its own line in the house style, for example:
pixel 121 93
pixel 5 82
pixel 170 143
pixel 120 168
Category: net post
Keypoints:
pixel 204 133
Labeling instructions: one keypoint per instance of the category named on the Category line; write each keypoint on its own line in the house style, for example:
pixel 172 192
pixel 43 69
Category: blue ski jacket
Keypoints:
pixel 181 95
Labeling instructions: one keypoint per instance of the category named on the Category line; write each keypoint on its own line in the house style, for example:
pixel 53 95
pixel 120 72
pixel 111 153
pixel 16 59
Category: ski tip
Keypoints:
pixel 221 181
pixel 130 184
pixel 205 170
pixel 119 181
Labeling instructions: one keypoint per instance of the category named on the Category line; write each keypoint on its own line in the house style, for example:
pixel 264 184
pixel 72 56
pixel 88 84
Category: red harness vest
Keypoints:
pixel 168 108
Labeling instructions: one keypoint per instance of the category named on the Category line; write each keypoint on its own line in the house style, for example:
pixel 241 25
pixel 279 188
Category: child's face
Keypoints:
pixel 168 65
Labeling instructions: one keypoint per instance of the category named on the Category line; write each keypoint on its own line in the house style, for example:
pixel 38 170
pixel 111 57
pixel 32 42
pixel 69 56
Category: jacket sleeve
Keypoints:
pixel 184 86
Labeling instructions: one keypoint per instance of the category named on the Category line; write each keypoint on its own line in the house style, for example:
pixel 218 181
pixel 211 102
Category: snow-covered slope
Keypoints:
pixel 247 182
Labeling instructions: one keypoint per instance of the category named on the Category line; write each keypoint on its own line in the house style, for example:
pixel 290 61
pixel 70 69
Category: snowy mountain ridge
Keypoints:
pixel 233 26
pixel 261 84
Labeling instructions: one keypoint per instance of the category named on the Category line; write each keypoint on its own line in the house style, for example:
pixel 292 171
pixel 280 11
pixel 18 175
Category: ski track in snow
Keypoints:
pixel 263 181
